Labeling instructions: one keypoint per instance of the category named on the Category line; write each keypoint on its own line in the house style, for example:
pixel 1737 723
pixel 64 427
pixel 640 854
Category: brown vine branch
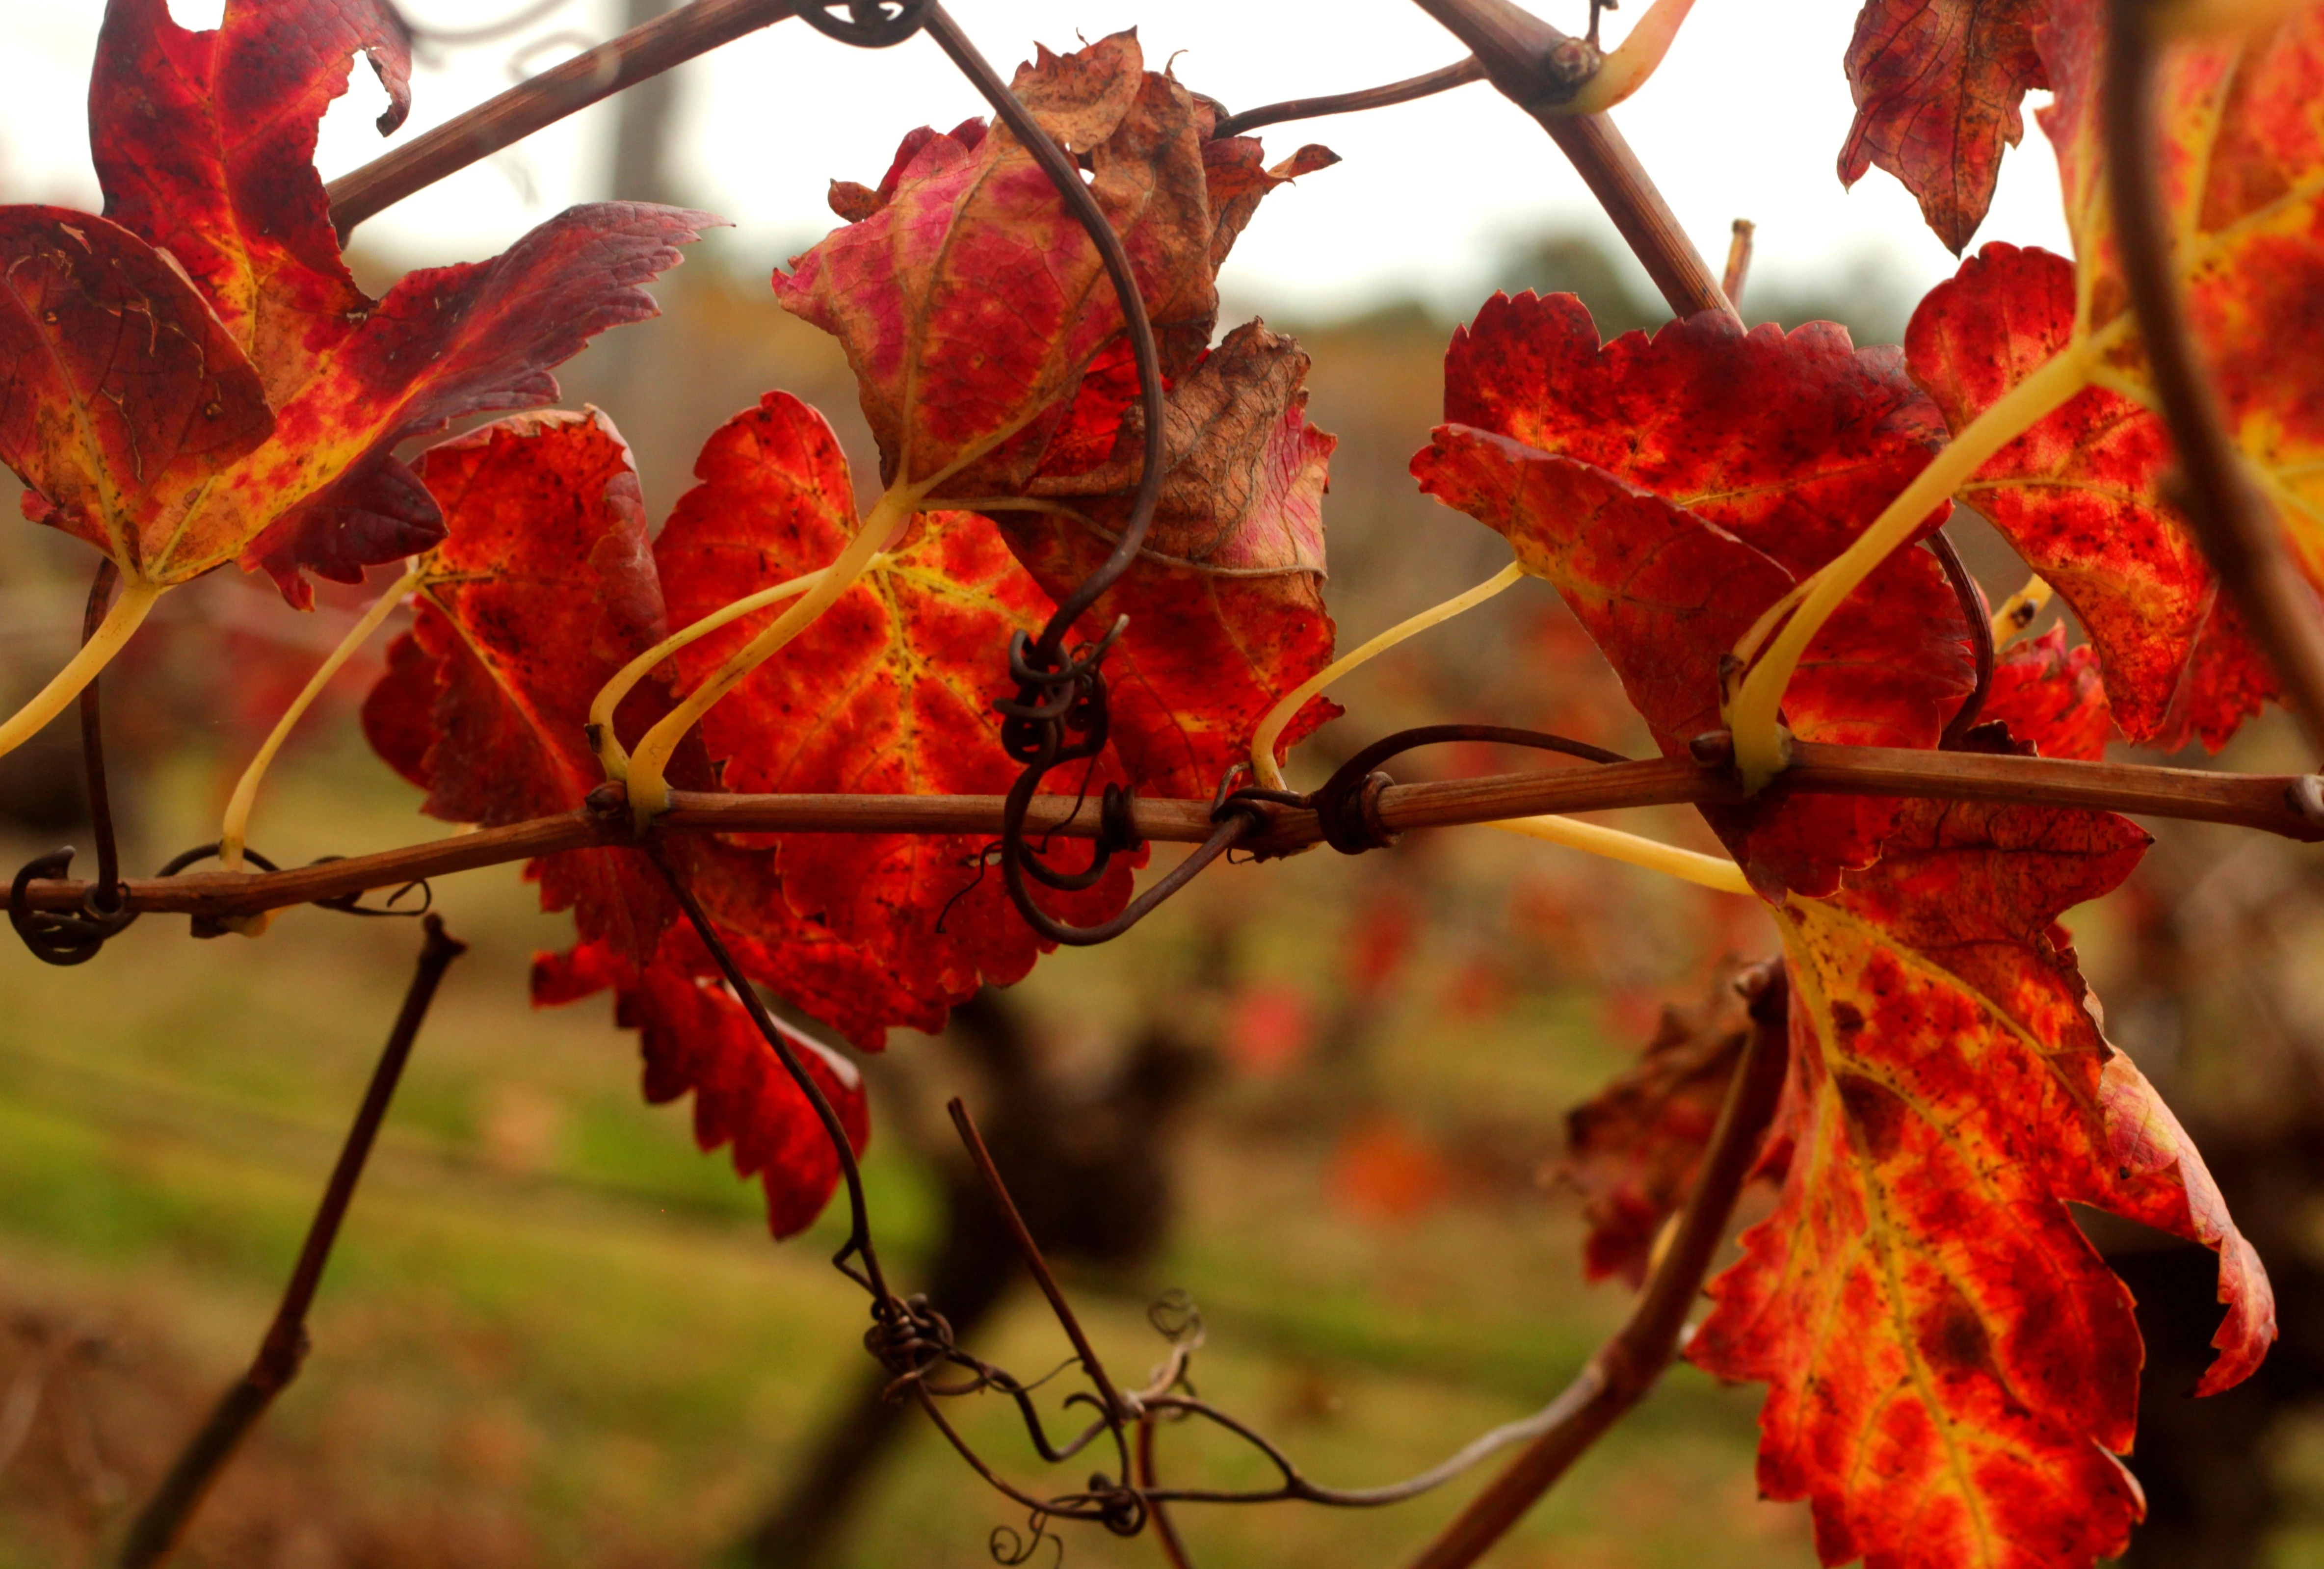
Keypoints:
pixel 1030 1252
pixel 1444 79
pixel 2237 529
pixel 158 1528
pixel 1530 62
pixel 647 50
pixel 1738 262
pixel 2291 806
pixel 1628 1365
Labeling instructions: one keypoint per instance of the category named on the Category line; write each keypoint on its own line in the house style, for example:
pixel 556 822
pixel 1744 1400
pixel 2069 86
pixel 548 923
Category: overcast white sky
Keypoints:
pixel 1744 120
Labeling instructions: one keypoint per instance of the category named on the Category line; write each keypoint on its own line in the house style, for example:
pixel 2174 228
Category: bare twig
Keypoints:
pixel 570 86
pixel 1627 1366
pixel 2237 530
pixel 1444 79
pixel 2291 806
pixel 1032 1253
pixel 1166 1531
pixel 155 1536
pixel 1525 57
pixel 1738 262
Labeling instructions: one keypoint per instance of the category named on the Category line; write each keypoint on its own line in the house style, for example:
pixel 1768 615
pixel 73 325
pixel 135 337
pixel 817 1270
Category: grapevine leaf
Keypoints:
pixel 1666 593
pixel 1633 1149
pixel 2242 176
pixel 544 588
pixel 1938 86
pixel 204 144
pixel 1225 601
pixel 970 300
pixel 696 1038
pixel 1792 442
pixel 891 691
pixel 2080 497
pixel 120 392
pixel 2052 696
pixel 1950 1360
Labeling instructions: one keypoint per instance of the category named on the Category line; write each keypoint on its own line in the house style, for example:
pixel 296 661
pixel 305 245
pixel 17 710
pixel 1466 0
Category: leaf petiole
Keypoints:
pixel 602 708
pixel 235 831
pixel 1270 772
pixel 128 614
pixel 1713 872
pixel 649 788
pixel 1761 748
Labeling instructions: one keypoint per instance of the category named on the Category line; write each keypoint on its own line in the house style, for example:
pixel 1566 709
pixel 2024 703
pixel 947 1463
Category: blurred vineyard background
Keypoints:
pixel 1325 1098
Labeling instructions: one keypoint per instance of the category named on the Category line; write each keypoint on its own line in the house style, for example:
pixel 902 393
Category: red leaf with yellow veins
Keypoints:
pixel 1225 601
pixel 120 393
pixel 204 144
pixel 2080 497
pixel 1666 593
pixel 697 1038
pixel 1632 1149
pixel 1792 442
pixel 543 590
pixel 1939 86
pixel 970 302
pixel 889 692
pixel 1949 1362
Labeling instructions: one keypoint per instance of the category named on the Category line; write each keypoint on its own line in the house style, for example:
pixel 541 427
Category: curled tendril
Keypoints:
pixel 1010 1547
pixel 868 24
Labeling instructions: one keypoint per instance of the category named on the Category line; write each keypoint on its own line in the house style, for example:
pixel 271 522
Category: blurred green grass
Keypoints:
pixel 555 1333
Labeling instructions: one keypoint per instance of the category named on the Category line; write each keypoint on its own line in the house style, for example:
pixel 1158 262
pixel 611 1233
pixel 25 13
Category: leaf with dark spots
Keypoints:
pixel 1666 593
pixel 121 395
pixel 2081 496
pixel 697 1038
pixel 1225 600
pixel 543 590
pixel 1939 87
pixel 1951 1368
pixel 891 691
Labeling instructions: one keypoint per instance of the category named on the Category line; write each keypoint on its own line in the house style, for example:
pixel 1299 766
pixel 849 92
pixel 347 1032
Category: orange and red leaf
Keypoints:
pixel 1939 86
pixel 544 588
pixel 891 692
pixel 2080 497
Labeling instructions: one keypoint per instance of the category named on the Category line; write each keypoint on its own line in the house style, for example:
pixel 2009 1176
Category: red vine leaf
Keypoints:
pixel 891 692
pixel 969 245
pixel 543 589
pixel 1225 601
pixel 2080 496
pixel 1671 488
pixel 1632 1151
pixel 1949 1362
pixel 119 390
pixel 966 242
pixel 1939 86
pixel 1792 442
pixel 204 144
pixel 697 1038
pixel 2052 695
